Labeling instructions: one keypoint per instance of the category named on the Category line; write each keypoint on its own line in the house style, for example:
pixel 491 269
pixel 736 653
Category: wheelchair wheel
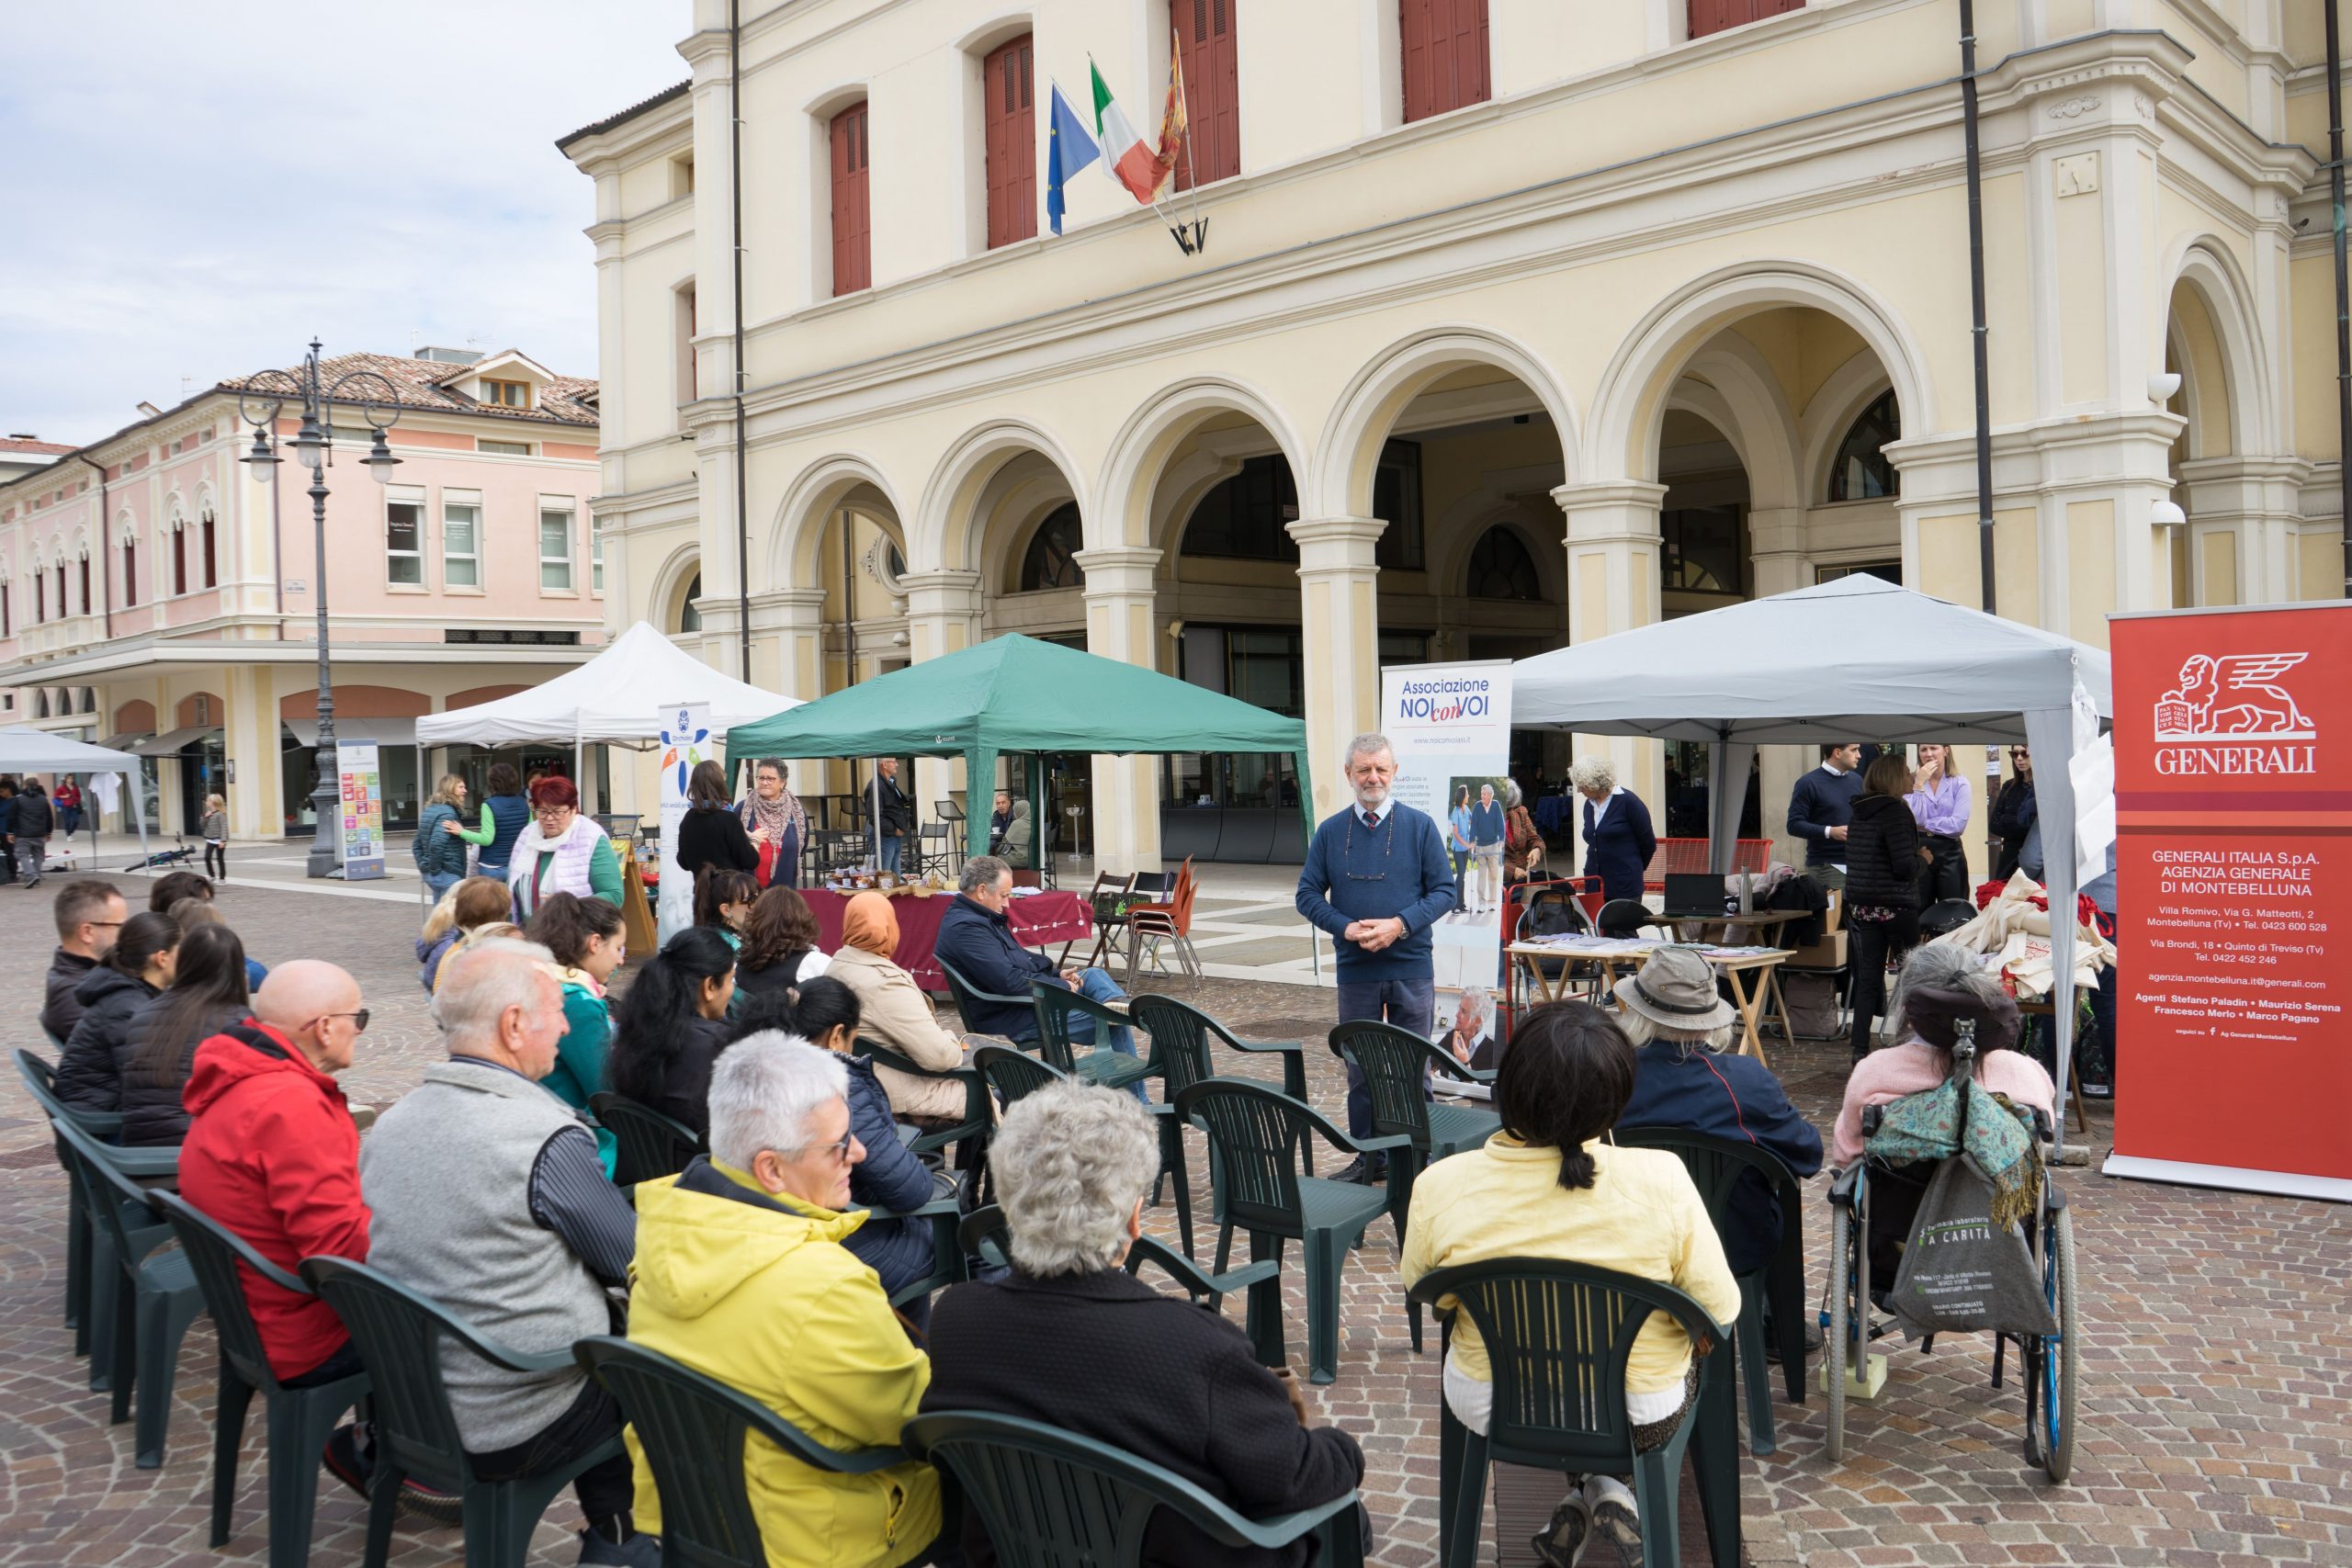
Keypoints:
pixel 2053 1373
pixel 1834 1334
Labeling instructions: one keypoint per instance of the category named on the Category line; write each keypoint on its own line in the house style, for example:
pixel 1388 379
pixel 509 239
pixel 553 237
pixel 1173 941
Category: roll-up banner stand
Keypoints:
pixel 1451 726
pixel 682 732
pixel 2233 890
pixel 359 784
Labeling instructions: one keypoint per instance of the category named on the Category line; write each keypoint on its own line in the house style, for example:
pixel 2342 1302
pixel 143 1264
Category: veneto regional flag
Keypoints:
pixel 1137 164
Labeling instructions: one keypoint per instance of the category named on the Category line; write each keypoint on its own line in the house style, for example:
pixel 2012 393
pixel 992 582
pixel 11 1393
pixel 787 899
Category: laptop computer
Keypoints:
pixel 1691 894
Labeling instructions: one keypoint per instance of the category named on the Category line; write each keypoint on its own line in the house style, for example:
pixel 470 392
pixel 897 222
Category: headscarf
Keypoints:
pixel 869 924
pixel 774 815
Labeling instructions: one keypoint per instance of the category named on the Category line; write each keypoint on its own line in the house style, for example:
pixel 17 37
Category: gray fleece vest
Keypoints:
pixel 446 1173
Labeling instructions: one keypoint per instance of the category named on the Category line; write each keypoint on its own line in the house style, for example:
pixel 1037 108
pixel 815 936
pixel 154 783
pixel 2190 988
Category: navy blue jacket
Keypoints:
pixel 1399 870
pixel 1619 850
pixel 889 1177
pixel 980 943
pixel 1823 800
pixel 7 814
pixel 1730 1096
pixel 509 814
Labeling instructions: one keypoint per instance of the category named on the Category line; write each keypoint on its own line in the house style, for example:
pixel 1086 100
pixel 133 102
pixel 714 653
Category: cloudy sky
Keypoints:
pixel 195 191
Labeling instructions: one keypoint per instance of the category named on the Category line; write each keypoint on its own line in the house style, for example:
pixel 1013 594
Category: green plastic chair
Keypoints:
pixel 40 1080
pixel 1180 1042
pixel 300 1419
pixel 1256 1140
pixel 1395 1062
pixel 983 1234
pixel 965 994
pixel 966 1135
pixel 651 1144
pixel 692 1430
pixel 1716 1166
pixel 946 1256
pixel 400 1334
pixel 142 1332
pixel 1051 1498
pixel 1056 1010
pixel 1562 1405
pixel 1013 1072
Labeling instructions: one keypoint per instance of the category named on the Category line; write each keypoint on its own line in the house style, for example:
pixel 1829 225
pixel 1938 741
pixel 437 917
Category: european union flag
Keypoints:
pixel 1070 147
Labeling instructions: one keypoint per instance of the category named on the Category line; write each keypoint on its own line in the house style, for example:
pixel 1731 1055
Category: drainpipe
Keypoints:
pixel 106 579
pixel 2342 304
pixel 1984 388
pixel 735 259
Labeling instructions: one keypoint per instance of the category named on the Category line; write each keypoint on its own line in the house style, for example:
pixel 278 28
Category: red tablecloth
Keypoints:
pixel 1040 920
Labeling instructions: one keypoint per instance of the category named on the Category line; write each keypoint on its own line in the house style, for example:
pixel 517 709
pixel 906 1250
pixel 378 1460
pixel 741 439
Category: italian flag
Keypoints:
pixel 1127 158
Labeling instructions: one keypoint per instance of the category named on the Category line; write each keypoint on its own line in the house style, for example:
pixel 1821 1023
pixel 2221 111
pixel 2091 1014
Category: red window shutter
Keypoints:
pixel 1714 16
pixel 86 606
pixel 1207 33
pixel 1443 47
pixel 852 226
pixel 1010 118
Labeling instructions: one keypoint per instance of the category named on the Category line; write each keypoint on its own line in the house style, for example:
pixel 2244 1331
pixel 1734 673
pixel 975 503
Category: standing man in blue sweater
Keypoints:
pixel 1376 879
pixel 1821 808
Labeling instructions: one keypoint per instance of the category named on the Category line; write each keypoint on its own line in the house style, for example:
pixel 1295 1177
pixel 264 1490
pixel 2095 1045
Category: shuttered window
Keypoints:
pixel 1714 16
pixel 1008 90
pixel 1444 50
pixel 853 228
pixel 1206 43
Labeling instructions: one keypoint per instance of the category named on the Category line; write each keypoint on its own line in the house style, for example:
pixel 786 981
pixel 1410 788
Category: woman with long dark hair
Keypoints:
pixel 1884 860
pixel 1551 1185
pixel 779 944
pixel 671 1024
pixel 207 994
pixel 711 835
pixel 133 973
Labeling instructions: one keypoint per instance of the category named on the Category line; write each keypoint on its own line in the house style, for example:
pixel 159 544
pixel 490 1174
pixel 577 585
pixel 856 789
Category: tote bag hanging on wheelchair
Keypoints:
pixel 1961 1271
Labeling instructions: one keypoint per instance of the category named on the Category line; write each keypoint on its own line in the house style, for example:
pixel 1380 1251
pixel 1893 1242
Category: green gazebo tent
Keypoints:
pixel 1014 694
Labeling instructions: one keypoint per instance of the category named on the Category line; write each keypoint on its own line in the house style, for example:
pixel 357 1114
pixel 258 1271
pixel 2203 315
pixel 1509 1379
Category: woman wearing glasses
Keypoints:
pixel 561 852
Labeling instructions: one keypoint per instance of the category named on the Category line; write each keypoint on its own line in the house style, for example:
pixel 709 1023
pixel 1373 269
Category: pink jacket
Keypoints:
pixel 1898 1070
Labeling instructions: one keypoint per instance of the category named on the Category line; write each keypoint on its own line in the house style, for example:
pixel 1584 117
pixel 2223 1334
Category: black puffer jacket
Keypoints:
pixel 87 1078
pixel 1882 861
pixel 35 820
pixel 152 1111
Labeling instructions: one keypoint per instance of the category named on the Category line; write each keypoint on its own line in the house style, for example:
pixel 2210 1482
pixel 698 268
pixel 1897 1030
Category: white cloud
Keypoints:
pixel 195 190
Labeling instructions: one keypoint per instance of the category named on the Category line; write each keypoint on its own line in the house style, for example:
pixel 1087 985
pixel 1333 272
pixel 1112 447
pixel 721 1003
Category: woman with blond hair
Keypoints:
pixel 214 831
pixel 441 856
pixel 469 905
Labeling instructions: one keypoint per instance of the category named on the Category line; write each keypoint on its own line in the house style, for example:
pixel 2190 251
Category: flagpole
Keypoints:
pixel 1192 179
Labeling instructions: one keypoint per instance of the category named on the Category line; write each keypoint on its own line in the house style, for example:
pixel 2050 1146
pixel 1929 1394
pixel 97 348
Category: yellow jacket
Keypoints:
pixel 754 1288
pixel 1641 1215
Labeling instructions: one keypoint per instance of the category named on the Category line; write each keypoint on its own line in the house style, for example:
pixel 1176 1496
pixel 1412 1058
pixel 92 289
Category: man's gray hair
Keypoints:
pixel 1475 1001
pixel 480 980
pixel 1369 744
pixel 981 871
pixel 1643 1029
pixel 1940 966
pixel 764 1089
pixel 1592 772
pixel 1070 1162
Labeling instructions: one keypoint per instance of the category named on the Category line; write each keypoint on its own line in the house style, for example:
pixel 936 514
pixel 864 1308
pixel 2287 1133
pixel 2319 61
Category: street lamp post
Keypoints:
pixel 258 405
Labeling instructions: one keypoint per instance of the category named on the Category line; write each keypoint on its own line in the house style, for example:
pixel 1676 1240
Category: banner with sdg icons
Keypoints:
pixel 360 787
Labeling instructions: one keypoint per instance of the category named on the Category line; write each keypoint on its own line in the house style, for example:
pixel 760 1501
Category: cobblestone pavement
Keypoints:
pixel 2217 1420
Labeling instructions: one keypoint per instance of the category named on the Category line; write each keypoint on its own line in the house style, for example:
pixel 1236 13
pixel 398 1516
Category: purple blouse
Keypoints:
pixel 1943 809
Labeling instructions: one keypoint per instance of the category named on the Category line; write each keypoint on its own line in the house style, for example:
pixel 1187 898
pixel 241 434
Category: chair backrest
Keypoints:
pixel 1051 1498
pixel 399 1335
pixel 1716 1165
pixel 1014 1073
pixel 1258 1136
pixel 1180 1035
pixel 1392 1060
pixel 966 993
pixel 692 1430
pixel 213 1252
pixel 40 1075
pixel 1622 917
pixel 649 1144
pixel 983 1234
pixel 1055 1007
pixel 1560 1396
pixel 1186 888
pixel 121 1204
pixel 41 1082
pixel 949 810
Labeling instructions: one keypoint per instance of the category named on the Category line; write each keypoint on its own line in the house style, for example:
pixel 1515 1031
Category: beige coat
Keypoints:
pixel 894 1012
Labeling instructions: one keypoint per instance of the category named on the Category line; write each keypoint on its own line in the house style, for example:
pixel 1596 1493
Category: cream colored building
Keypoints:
pixel 1628 336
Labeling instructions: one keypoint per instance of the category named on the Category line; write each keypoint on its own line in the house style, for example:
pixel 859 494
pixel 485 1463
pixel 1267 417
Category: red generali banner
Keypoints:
pixel 2233 863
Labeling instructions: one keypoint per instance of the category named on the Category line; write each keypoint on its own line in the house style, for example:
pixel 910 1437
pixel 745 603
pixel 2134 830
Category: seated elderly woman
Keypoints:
pixel 1941 984
pixel 741 1274
pixel 1071 1339
pixel 1680 1026
pixel 1549 1185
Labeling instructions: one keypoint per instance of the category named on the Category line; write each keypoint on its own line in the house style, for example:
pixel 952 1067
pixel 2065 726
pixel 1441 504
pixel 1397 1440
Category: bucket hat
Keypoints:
pixel 1676 989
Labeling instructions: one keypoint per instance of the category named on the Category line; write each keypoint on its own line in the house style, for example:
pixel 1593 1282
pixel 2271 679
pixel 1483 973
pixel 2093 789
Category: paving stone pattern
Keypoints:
pixel 2217 1416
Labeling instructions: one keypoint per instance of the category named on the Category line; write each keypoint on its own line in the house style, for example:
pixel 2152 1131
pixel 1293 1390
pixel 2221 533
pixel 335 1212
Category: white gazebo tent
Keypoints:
pixel 1856 659
pixel 612 698
pixel 28 751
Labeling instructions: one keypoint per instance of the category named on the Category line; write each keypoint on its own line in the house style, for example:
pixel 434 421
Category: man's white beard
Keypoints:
pixel 1372 798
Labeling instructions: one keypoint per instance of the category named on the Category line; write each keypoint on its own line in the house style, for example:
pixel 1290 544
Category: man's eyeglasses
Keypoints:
pixel 358 1020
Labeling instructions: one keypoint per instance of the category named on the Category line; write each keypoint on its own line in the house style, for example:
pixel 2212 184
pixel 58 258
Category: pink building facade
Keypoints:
pixel 159 595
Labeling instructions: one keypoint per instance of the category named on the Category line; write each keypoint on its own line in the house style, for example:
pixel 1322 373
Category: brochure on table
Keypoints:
pixel 683 731
pixel 361 792
pixel 1451 726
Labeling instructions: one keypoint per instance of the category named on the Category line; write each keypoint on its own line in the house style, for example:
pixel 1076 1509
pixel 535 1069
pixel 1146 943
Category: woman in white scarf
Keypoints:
pixel 561 852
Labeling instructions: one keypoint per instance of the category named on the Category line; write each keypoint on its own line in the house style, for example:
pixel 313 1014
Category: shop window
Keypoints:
pixel 1714 16
pixel 1010 129
pixel 1704 550
pixel 1207 48
pixel 404 542
pixel 1860 470
pixel 1443 48
pixel 853 225
pixel 1500 567
pixel 1052 560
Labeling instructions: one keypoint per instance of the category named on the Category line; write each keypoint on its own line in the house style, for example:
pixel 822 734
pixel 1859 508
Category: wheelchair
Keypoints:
pixel 1873 1206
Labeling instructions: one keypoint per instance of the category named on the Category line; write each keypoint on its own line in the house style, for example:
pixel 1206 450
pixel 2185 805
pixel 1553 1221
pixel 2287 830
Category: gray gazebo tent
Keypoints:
pixel 26 751
pixel 1856 658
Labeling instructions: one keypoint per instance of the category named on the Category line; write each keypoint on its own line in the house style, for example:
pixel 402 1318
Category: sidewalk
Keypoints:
pixel 270 862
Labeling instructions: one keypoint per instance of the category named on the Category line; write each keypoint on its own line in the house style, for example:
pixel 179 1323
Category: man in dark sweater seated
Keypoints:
pixel 89 916
pixel 1822 807
pixel 975 938
pixel 1071 1339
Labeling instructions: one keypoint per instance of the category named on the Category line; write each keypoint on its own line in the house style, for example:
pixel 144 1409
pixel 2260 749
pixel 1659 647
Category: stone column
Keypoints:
pixel 1613 544
pixel 1339 624
pixel 1120 625
pixel 942 617
pixel 249 745
pixel 2245 529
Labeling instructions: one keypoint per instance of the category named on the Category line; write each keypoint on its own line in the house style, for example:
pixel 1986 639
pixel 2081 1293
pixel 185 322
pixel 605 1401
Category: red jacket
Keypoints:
pixel 272 1154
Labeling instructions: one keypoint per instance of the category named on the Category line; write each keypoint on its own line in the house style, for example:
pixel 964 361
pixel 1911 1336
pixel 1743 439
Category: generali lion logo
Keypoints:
pixel 2229 714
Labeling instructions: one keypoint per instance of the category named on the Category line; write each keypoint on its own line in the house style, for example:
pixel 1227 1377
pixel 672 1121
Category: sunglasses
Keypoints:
pixel 358 1020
